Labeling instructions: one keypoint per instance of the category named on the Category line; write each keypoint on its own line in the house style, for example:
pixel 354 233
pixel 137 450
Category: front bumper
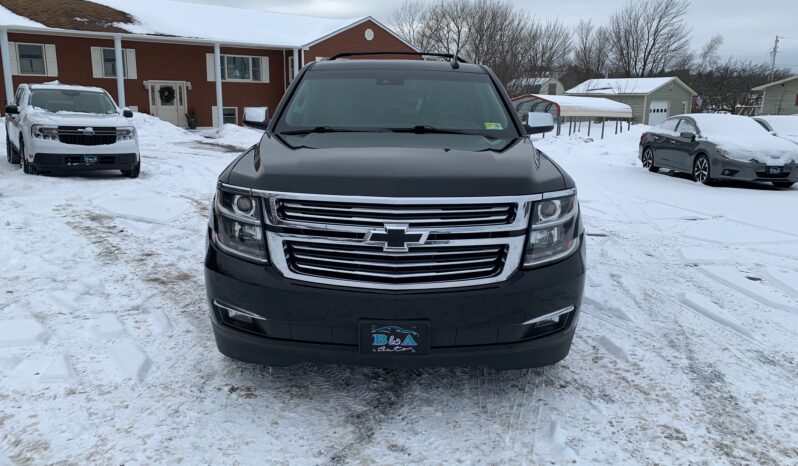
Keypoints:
pixel 476 326
pixel 69 162
pixel 728 169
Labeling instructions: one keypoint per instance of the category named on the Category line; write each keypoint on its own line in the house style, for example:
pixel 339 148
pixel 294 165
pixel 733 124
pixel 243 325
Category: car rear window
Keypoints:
pixel 376 99
pixel 68 100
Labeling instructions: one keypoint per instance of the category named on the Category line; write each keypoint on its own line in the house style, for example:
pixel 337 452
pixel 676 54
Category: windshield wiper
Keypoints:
pixel 328 129
pixel 426 129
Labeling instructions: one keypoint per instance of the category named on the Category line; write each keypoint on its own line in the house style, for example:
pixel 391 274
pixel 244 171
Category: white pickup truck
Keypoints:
pixel 54 128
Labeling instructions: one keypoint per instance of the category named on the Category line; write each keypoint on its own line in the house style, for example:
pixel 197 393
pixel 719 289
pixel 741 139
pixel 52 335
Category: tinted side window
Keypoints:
pixel 668 125
pixel 687 126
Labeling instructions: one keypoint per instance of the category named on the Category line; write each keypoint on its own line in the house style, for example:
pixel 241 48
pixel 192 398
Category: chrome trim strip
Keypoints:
pixel 550 315
pixel 383 221
pixel 398 212
pixel 404 254
pixel 394 265
pixel 228 307
pixel 400 275
pixel 556 194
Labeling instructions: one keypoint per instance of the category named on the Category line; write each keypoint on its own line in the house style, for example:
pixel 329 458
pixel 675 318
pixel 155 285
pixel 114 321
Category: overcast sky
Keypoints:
pixel 746 26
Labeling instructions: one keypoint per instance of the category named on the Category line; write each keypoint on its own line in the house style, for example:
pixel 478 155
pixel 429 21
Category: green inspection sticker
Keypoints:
pixel 489 125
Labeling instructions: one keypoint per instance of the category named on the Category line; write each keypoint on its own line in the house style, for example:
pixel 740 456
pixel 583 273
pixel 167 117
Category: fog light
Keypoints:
pixel 238 313
pixel 550 318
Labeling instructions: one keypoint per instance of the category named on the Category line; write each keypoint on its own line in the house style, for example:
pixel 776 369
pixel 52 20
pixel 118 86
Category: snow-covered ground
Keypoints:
pixel 685 353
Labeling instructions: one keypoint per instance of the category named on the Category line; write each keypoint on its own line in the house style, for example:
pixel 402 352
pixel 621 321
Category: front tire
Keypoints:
pixel 701 172
pixel 133 172
pixel 648 160
pixel 11 155
pixel 27 168
pixel 783 184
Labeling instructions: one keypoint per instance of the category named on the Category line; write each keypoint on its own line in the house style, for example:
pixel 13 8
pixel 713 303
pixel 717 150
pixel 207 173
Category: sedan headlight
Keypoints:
pixel 125 134
pixel 721 152
pixel 48 133
pixel 236 223
pixel 555 230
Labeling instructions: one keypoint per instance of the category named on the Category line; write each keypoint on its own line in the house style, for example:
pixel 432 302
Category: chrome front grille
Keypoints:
pixel 373 264
pixel 417 215
pixel 348 240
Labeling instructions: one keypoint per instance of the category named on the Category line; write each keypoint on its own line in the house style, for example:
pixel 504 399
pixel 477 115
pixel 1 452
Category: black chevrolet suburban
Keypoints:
pixel 395 214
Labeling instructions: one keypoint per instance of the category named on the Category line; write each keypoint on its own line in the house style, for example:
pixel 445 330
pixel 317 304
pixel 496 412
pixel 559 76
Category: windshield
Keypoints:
pixel 380 100
pixel 785 125
pixel 67 100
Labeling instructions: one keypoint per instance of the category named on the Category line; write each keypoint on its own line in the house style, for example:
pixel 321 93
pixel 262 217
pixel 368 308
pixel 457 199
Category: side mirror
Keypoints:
pixel 538 122
pixel 12 109
pixel 256 117
pixel 127 113
pixel 687 135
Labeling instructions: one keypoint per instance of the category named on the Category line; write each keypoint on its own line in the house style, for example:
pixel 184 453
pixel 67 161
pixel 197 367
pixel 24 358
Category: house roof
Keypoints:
pixel 575 106
pixel 169 18
pixel 774 83
pixel 625 86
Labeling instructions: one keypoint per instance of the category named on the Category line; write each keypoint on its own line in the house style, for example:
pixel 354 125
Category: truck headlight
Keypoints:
pixel 48 133
pixel 236 224
pixel 555 230
pixel 125 134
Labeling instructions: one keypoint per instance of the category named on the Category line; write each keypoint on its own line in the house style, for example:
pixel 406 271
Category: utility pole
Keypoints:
pixel 773 58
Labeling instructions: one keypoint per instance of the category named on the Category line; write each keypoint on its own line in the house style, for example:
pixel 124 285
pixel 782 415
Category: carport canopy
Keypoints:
pixel 572 106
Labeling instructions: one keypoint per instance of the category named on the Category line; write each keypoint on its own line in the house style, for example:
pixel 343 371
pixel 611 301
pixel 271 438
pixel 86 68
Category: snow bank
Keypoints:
pixel 150 127
pixel 233 135
pixel 744 139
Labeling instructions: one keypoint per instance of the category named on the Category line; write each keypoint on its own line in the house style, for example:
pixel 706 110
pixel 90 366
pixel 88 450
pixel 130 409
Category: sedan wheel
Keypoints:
pixel 701 170
pixel 648 160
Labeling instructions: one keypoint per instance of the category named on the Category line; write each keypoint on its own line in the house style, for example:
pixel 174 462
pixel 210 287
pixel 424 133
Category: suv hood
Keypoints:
pixel 392 165
pixel 77 119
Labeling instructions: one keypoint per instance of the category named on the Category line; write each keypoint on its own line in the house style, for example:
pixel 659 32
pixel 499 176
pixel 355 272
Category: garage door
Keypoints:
pixel 657 112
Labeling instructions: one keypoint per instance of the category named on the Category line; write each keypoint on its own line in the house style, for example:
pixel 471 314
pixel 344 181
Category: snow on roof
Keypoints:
pixel 774 83
pixel 216 23
pixel 617 86
pixel 573 106
pixel 70 87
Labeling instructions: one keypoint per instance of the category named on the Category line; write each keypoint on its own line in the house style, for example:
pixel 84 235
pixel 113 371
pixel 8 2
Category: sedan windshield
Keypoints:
pixel 411 101
pixel 68 100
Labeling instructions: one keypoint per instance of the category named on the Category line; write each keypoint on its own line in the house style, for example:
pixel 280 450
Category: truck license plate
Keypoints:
pixel 90 159
pixel 401 338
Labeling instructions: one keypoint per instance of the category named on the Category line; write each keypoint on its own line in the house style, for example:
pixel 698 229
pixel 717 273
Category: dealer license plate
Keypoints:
pixel 401 338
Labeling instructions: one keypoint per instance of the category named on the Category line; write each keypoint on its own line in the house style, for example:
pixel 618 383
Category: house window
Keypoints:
pixel 31 59
pixel 230 115
pixel 109 63
pixel 290 68
pixel 241 68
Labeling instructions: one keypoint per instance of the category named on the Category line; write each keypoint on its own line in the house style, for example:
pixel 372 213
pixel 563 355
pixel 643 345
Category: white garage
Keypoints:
pixel 658 112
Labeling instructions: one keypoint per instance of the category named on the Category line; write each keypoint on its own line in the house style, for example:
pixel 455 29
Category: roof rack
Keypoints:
pixel 450 56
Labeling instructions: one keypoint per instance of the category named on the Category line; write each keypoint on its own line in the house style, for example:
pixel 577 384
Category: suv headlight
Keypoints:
pixel 555 230
pixel 48 133
pixel 125 134
pixel 236 224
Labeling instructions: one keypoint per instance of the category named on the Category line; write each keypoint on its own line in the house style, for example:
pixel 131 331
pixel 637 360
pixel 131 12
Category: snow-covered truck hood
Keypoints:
pixel 78 119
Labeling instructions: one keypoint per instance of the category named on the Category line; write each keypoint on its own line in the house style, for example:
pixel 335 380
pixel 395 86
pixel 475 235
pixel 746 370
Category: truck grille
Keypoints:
pixel 371 215
pixel 96 136
pixel 373 264
pixel 396 243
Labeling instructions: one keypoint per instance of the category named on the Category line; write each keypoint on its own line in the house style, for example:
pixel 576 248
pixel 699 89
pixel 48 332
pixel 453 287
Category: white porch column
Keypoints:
pixel 296 62
pixel 120 71
pixel 217 72
pixel 9 85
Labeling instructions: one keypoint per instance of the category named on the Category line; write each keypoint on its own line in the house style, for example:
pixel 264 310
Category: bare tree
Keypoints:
pixel 708 57
pixel 647 36
pixel 590 50
pixel 408 21
pixel 548 47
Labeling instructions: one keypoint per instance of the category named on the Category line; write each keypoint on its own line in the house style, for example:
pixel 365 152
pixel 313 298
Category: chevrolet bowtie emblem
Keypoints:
pixel 396 238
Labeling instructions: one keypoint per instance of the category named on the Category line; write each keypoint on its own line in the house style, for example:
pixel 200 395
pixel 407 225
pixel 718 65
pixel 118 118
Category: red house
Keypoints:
pixel 166 58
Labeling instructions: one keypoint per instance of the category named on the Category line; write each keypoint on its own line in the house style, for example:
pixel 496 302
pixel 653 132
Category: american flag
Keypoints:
pixel 699 100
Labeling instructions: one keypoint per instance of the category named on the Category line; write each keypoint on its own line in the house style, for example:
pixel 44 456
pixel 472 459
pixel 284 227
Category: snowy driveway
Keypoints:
pixel 685 353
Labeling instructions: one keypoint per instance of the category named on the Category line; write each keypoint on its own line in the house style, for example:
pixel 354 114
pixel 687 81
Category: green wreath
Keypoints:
pixel 167 94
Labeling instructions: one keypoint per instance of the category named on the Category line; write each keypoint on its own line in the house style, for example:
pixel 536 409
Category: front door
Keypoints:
pixel 168 101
